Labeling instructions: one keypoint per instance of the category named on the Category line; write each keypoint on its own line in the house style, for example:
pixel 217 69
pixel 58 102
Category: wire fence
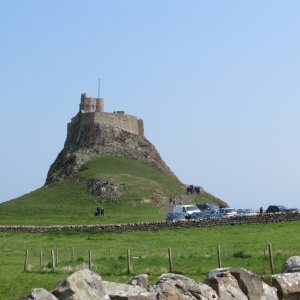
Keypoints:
pixel 143 259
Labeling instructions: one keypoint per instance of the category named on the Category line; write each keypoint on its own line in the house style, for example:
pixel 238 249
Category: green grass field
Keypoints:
pixel 194 251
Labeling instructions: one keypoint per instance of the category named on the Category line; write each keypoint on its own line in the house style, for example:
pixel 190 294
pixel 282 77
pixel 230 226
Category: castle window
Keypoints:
pixel 87 106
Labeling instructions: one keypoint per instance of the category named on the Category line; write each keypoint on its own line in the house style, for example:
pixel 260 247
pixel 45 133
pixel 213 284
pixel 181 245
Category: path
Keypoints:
pixel 168 208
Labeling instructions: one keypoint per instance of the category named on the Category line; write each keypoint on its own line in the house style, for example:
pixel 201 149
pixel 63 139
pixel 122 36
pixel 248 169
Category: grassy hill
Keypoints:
pixel 70 202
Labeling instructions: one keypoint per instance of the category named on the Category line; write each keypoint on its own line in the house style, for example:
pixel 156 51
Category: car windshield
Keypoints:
pixel 176 216
pixel 282 207
pixel 191 208
pixel 211 206
pixel 230 210
pixel 248 210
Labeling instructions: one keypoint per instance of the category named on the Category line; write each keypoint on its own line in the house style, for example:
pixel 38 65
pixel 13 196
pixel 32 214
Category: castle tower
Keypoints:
pixel 88 104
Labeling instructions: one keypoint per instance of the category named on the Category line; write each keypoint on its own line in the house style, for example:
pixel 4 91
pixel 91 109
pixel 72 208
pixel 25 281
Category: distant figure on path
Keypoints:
pixel 261 210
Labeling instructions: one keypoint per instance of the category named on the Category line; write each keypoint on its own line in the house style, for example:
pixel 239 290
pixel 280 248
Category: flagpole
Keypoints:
pixel 99 89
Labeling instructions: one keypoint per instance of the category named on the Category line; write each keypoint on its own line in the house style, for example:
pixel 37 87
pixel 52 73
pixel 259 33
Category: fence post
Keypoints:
pixel 128 261
pixel 184 250
pixel 26 260
pixel 90 260
pixel 271 258
pixel 53 260
pixel 109 251
pixel 225 249
pixel 146 251
pixel 219 257
pixel 170 260
pixel 41 258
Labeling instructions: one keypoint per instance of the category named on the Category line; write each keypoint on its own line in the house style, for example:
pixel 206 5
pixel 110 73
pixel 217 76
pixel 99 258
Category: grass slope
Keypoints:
pixel 69 202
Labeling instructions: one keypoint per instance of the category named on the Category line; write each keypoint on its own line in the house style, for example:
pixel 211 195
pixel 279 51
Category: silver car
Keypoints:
pixel 227 212
pixel 246 212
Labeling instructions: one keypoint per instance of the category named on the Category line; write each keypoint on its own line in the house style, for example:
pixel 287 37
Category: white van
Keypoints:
pixel 187 210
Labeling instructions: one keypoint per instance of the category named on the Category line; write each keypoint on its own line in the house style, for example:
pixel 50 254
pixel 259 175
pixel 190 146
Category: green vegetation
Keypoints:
pixel 194 253
pixel 68 202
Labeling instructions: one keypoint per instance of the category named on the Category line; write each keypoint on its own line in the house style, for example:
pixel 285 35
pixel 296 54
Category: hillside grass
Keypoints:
pixel 194 253
pixel 68 202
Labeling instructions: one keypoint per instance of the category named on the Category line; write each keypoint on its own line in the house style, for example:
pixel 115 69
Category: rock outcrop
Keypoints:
pixel 87 141
pixel 223 284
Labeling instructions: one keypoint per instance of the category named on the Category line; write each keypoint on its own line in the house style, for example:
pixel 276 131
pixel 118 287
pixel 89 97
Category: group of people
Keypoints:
pixel 99 212
pixel 173 200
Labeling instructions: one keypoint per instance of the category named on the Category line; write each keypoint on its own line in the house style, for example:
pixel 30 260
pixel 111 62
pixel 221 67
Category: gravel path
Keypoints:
pixel 168 208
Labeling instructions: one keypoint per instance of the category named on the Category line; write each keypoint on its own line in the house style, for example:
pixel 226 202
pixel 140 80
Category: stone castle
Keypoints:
pixel 94 133
pixel 91 111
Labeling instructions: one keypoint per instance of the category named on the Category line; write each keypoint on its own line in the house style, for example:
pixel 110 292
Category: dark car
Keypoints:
pixel 197 216
pixel 175 216
pixel 280 208
pixel 207 208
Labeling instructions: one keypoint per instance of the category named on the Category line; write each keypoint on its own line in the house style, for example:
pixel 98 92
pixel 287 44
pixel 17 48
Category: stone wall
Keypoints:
pixel 162 225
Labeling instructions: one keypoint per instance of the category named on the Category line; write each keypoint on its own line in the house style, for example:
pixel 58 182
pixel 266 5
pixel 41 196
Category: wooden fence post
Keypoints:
pixel 225 249
pixel 109 251
pixel 271 258
pixel 26 260
pixel 90 260
pixel 128 261
pixel 53 260
pixel 170 260
pixel 146 251
pixel 219 257
pixel 41 258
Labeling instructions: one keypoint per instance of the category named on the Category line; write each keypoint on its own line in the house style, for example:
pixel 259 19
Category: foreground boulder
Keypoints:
pixel 82 285
pixel 174 286
pixel 287 285
pixel 222 283
pixel 125 291
pixel 41 294
pixel 238 283
pixel 292 265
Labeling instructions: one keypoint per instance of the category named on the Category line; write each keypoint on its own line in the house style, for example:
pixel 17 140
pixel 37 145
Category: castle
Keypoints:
pixel 91 111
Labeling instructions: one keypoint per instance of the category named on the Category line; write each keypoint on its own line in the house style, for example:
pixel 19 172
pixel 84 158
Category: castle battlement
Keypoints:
pixel 91 111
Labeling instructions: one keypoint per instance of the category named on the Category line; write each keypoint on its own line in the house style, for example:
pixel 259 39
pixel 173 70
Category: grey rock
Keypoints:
pixel 41 294
pixel 292 265
pixel 83 284
pixel 174 286
pixel 142 281
pixel 287 285
pixel 227 286
pixel 123 291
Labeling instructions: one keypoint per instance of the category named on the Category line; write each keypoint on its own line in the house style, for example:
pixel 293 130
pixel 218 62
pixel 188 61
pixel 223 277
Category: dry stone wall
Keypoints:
pixel 162 225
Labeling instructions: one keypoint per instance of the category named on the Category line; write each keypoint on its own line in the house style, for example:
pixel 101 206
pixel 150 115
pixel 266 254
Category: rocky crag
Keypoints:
pixel 94 133
pixel 225 284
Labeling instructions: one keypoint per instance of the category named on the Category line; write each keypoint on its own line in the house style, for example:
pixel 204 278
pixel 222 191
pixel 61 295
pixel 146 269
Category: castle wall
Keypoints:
pixel 119 120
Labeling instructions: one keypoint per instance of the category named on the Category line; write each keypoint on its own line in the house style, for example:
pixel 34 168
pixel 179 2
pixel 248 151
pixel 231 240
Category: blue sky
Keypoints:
pixel 216 83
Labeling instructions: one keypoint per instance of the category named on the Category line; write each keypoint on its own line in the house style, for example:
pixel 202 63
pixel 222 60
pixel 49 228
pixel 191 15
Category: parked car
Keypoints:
pixel 208 208
pixel 197 216
pixel 246 212
pixel 187 210
pixel 280 208
pixel 175 216
pixel 227 212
